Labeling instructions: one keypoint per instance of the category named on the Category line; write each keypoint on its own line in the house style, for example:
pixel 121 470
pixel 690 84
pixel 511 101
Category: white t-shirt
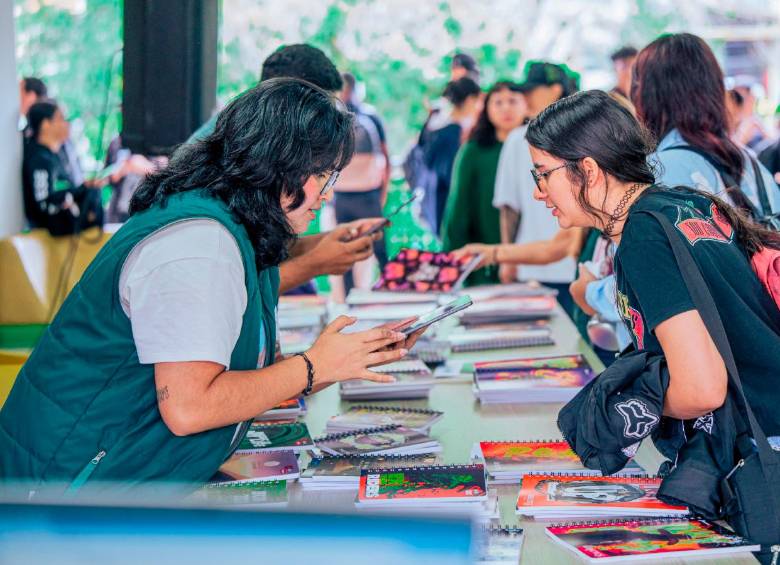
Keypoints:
pixel 183 289
pixel 515 188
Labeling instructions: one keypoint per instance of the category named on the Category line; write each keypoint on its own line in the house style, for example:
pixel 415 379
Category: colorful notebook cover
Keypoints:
pixel 555 455
pixel 351 465
pixel 371 416
pixel 288 409
pixel 270 437
pixel 376 440
pixel 508 368
pixel 632 539
pixel 430 484
pixel 249 467
pixel 425 271
pixel 559 491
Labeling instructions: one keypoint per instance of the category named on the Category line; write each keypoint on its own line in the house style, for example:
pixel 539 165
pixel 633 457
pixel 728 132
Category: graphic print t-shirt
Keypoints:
pixel 650 289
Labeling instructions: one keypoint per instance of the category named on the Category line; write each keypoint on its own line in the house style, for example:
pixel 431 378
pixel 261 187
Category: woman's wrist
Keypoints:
pixel 310 373
pixel 494 259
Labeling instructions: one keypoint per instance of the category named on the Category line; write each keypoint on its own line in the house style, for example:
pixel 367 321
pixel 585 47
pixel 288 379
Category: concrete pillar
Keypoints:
pixel 11 211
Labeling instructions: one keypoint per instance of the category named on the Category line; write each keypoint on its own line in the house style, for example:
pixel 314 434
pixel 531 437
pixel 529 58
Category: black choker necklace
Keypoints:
pixel 618 213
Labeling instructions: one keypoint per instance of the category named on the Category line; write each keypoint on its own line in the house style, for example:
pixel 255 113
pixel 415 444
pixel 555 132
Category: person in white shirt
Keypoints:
pixel 523 219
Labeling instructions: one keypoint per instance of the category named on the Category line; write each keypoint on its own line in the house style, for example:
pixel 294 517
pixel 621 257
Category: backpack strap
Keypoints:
pixel 732 186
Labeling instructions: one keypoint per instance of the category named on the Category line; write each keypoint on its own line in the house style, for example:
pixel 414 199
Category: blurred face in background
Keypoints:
pixel 542 96
pixel 57 128
pixel 623 71
pixel 506 110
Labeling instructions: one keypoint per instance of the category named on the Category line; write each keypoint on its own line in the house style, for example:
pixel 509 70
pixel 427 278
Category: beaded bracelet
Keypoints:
pixel 309 375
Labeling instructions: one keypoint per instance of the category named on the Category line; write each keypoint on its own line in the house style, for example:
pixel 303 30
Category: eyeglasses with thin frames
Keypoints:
pixel 334 176
pixel 543 175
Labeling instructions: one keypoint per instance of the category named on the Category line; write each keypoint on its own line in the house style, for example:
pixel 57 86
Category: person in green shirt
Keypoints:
pixel 470 216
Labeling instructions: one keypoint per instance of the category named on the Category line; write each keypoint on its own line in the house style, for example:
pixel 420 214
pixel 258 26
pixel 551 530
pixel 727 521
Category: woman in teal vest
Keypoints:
pixel 149 372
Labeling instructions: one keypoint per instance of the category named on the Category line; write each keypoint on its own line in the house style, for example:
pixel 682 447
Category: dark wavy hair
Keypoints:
pixel 677 83
pixel 593 124
pixel 304 62
pixel 484 132
pixel 457 91
pixel 266 144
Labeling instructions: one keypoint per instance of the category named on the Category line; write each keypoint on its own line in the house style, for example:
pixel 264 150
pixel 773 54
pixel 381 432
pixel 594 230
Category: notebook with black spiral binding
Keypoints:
pixel 574 495
pixel 377 441
pixel 422 485
pixel 629 540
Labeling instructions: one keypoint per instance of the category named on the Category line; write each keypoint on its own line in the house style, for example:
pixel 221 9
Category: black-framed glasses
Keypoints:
pixel 539 176
pixel 334 176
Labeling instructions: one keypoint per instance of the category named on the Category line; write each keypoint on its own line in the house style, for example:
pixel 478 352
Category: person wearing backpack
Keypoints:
pixel 679 95
pixel 591 170
pixel 688 116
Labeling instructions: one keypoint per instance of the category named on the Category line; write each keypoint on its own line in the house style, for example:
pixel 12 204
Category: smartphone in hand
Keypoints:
pixel 437 314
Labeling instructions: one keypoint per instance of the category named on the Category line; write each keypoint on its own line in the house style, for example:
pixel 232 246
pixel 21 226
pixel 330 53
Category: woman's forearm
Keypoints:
pixel 197 396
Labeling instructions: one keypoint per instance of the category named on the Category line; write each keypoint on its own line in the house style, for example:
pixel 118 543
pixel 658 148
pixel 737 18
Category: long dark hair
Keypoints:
pixel 266 144
pixel 484 132
pixel 678 84
pixel 593 124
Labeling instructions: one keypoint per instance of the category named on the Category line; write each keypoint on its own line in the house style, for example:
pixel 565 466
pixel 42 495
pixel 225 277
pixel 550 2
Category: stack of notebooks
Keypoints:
pixel 369 416
pixel 630 540
pixel 507 336
pixel 537 379
pixel 507 461
pixel 263 438
pixel 413 379
pixel 298 340
pixel 413 270
pixel 556 496
pixel 518 289
pixel 509 309
pixel 279 465
pixel 343 471
pixel 260 495
pixel 498 545
pixel 452 488
pixel 363 297
pixel 302 312
pixel 383 440
pixel 288 410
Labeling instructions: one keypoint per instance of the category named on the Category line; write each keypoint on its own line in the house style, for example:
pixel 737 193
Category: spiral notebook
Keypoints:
pixel 377 441
pixel 628 540
pixel 498 544
pixel 369 416
pixel 287 410
pixel 343 471
pixel 253 467
pixel 436 484
pixel 510 339
pixel 507 461
pixel 413 270
pixel 509 309
pixel 536 379
pixel 263 437
pixel 555 496
pixel 260 494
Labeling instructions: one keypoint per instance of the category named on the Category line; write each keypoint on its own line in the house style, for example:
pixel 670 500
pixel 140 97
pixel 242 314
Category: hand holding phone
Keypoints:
pixel 436 315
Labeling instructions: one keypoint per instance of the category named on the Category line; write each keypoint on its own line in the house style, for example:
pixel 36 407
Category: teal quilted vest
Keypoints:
pixel 84 410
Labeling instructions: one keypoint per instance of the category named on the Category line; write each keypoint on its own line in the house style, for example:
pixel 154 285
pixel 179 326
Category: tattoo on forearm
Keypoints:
pixel 162 394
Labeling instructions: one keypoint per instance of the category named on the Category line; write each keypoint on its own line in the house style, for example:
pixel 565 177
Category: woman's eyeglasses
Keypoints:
pixel 334 176
pixel 539 176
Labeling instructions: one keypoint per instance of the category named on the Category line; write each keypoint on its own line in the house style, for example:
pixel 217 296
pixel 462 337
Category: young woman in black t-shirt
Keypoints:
pixel 590 166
